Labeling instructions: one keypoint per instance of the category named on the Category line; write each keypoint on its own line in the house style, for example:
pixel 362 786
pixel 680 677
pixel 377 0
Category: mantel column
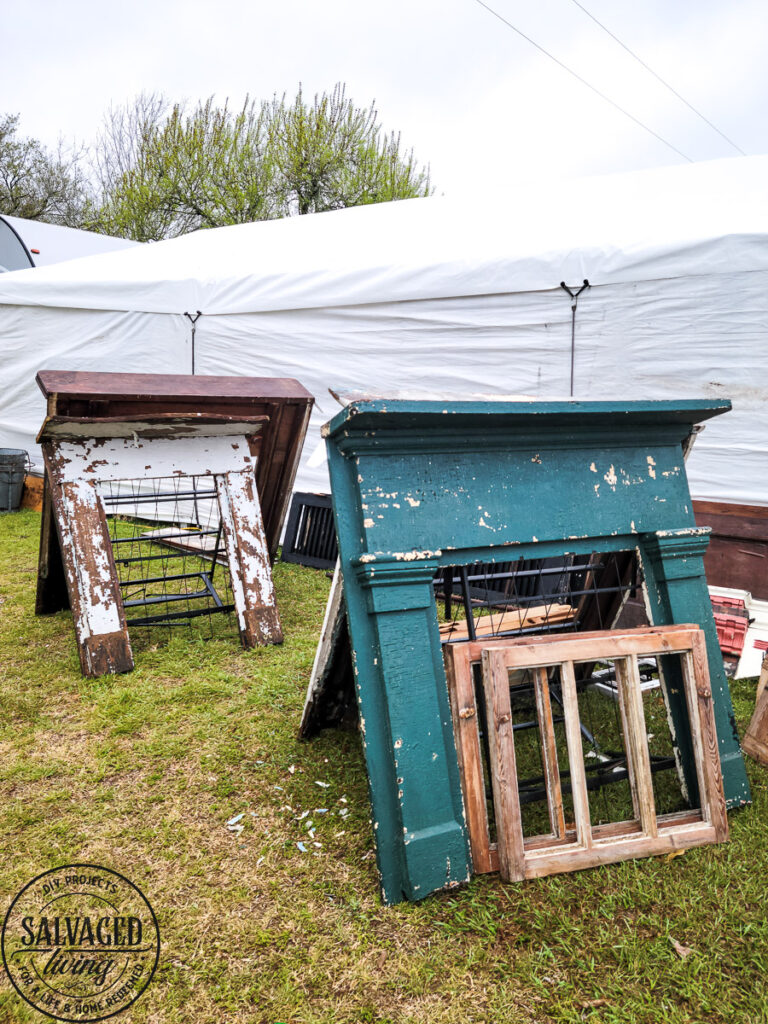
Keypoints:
pixel 418 811
pixel 673 562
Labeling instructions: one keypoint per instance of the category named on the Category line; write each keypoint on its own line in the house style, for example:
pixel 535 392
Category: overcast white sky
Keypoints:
pixel 471 97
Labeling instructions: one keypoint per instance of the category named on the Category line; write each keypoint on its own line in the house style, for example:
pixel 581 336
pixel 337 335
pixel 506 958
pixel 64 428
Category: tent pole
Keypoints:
pixel 193 320
pixel 574 300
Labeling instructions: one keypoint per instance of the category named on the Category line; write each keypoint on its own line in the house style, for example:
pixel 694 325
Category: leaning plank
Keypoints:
pixel 190 541
pixel 755 741
pixel 762 682
pixel 330 686
pixel 508 620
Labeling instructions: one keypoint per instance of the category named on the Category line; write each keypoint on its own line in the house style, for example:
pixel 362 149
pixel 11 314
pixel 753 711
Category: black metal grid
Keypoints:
pixel 568 594
pixel 572 593
pixel 168 547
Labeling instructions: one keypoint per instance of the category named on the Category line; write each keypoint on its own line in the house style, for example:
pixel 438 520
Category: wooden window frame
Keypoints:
pixel 577 845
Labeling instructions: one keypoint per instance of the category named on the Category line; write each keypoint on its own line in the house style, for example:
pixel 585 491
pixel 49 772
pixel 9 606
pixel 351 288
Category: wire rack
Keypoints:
pixel 534 596
pixel 168 548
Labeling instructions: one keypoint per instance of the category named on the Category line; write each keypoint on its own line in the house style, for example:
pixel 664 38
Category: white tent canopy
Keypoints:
pixel 443 296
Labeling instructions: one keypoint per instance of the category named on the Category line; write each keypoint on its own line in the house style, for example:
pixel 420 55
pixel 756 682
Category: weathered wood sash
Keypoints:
pixel 578 844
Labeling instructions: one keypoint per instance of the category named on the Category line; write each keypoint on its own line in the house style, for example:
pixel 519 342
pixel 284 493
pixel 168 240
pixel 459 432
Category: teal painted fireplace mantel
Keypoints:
pixel 420 485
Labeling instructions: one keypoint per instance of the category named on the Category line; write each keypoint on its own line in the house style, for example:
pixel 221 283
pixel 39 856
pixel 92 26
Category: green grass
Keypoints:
pixel 141 772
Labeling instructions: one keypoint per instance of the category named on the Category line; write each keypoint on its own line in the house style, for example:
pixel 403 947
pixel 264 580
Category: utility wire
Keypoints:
pixel 585 82
pixel 660 79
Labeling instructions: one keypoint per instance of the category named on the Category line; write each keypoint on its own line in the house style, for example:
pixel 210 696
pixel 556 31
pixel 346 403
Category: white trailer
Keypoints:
pixel 31 243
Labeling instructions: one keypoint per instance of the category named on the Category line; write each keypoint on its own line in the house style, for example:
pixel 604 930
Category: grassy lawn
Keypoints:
pixel 141 772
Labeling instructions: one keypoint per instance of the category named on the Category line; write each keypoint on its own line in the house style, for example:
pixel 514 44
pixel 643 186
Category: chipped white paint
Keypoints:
pixel 247 551
pixel 80 466
pixel 398 744
pixel 368 523
pixel 593 467
pixel 120 459
pixel 610 478
pixel 686 531
pixel 536 459
pixel 367 558
pixel 412 501
pixel 136 431
pixel 98 611
pixel 413 556
pixel 333 611
pixel 651 463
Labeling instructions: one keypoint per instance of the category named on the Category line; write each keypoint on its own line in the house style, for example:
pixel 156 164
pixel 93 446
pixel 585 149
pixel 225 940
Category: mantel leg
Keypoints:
pixel 673 562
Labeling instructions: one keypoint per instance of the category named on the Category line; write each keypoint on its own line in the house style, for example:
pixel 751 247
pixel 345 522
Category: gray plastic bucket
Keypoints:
pixel 13 468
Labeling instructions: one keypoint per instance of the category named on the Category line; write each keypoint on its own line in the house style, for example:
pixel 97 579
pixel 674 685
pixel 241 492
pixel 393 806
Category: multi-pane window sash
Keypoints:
pixel 572 845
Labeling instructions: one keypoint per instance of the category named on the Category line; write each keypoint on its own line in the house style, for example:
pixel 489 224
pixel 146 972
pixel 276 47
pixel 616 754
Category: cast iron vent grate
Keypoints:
pixel 310 536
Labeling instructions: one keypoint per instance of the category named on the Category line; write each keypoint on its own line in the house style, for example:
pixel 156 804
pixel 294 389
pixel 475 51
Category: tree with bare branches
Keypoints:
pixel 39 184
pixel 164 170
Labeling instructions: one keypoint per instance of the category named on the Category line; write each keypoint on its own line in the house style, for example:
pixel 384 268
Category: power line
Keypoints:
pixel 660 79
pixel 585 82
